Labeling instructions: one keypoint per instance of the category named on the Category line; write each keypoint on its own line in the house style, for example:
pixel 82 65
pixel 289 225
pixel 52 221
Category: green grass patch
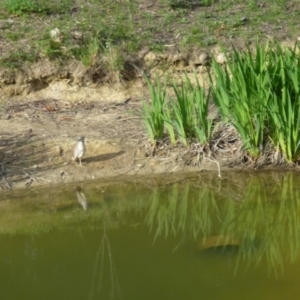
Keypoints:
pixel 17 59
pixel 133 25
pixel 37 6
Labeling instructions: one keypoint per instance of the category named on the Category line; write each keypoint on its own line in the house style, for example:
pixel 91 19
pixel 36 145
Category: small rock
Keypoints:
pixel 204 58
pixel 77 35
pixel 243 19
pixel 221 58
pixel 56 35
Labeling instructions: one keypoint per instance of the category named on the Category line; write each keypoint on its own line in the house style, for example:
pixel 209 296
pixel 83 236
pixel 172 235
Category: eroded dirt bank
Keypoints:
pixel 45 107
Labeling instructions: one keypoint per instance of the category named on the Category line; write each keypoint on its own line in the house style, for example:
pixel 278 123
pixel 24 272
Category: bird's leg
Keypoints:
pixel 80 162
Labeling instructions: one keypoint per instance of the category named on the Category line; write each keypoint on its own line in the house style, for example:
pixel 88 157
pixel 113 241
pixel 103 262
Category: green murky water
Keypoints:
pixel 197 238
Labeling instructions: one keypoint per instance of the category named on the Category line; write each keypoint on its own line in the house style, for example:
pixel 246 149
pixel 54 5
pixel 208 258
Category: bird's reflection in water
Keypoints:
pixel 81 197
pixel 104 256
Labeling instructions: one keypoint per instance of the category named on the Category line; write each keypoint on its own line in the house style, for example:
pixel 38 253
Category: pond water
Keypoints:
pixel 193 237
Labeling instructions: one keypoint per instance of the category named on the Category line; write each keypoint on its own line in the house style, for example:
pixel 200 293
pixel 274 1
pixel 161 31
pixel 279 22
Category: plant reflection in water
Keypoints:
pixel 104 256
pixel 263 222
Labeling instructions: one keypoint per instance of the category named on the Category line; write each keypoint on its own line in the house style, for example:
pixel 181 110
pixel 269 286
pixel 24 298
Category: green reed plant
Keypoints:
pixel 284 107
pixel 169 124
pixel 202 124
pixel 183 109
pixel 185 116
pixel 259 93
pixel 190 110
pixel 153 115
pixel 241 93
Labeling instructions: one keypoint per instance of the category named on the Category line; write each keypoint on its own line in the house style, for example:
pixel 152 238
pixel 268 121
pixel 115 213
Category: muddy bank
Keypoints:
pixel 45 107
pixel 37 145
pixel 37 140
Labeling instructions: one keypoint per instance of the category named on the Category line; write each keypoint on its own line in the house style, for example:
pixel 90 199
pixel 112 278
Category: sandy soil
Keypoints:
pixel 38 134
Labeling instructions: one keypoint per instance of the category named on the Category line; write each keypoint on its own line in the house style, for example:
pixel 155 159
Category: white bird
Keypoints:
pixel 79 150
